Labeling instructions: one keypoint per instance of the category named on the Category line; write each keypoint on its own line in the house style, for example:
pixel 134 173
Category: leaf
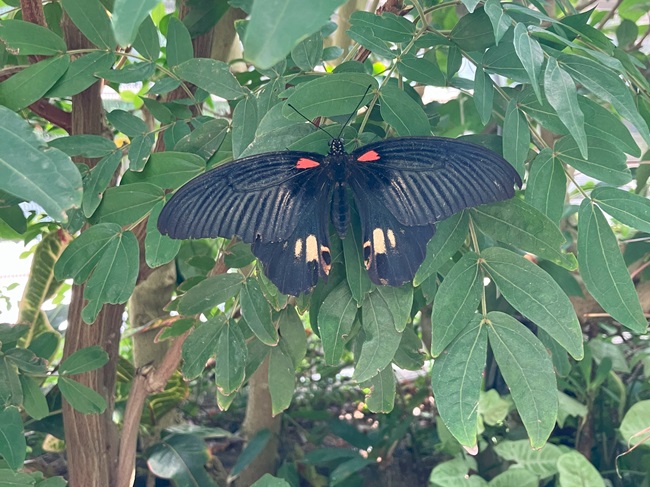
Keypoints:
pixel 146 41
pixel 409 354
pixel 483 94
pixel 470 4
pixel 501 21
pixel 182 458
pixel 603 269
pixel 267 480
pixel 561 93
pixel 127 204
pixel 515 223
pixel 114 277
pixel 29 85
pixel 576 470
pixel 387 26
pixel 308 53
pixel 294 336
pixel 277 26
pixel 13 446
pixel 473 32
pixel 515 476
pixel 503 60
pixel 516 137
pixel 381 337
pixel 34 401
pixel 50 179
pixel 331 95
pixel 381 398
pixel 528 371
pixel 535 294
pixel 335 318
pixel 81 74
pixel 230 363
pixel 205 140
pixel 606 161
pixel 606 84
pixel 456 301
pixel 450 235
pixel 542 463
pixel 158 249
pixel 84 360
pixel 80 397
pixel 546 185
pixel 84 145
pixel 25 38
pixel 212 76
pixel 365 37
pixel 421 70
pixel 92 20
pixel 355 272
pixel 399 301
pixel 126 122
pixel 403 113
pixel 131 73
pixel 257 313
pixel 282 379
pixel 531 56
pixel 139 151
pixel 179 43
pixel 244 123
pixel 167 170
pixel 209 293
pixel 456 379
pixel 635 422
pixel 127 17
pixel 629 208
pixel 202 16
pixel 200 345
pixel 254 447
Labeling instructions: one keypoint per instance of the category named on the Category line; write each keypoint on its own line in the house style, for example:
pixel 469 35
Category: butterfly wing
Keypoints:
pixel 423 180
pixel 275 201
pixel 403 186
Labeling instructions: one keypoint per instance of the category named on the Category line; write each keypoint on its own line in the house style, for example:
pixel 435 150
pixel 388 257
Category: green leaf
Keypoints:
pixel 561 93
pixel 13 446
pixel 403 113
pixel 535 294
pixel 50 179
pixel 204 15
pixel 127 204
pixel 293 334
pixel 399 301
pixel 140 150
pixel 635 422
pixel 501 21
pixel 355 271
pixel 179 43
pixel 456 302
pixel 267 480
pixel 542 463
pixel 365 37
pixel 387 26
pixel 146 41
pixel 25 38
pixel 575 469
pixel 483 94
pixel 212 76
pixel 456 380
pixel 606 161
pixel 515 223
pixel 29 85
pixel 127 17
pixel 546 185
pixel 200 345
pixel 282 379
pixel 80 397
pixel 528 371
pixel 422 71
pixel 131 73
pixel 381 398
pixel 114 277
pixel 34 401
pixel 9 478
pixel 606 84
pixel 629 208
pixel 230 363
pixel 84 145
pixel 409 355
pixel 126 122
pixel 450 235
pixel 182 458
pixel 158 249
pixel 473 32
pixel 381 337
pixel 515 476
pixel 257 313
pixel 205 140
pixel 167 170
pixel 331 95
pixel 503 60
pixel 531 56
pixel 254 447
pixel 244 124
pixel 10 389
pixel 335 318
pixel 84 360
pixel 209 293
pixel 470 4
pixel 516 137
pixel 81 74
pixel 603 269
pixel 83 253
pixel 308 53
pixel 92 20
pixel 277 26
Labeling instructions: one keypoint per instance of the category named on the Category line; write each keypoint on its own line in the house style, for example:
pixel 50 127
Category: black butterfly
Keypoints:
pixel 282 203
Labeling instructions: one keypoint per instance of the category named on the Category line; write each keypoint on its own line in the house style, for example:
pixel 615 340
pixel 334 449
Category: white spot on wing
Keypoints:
pixel 312 249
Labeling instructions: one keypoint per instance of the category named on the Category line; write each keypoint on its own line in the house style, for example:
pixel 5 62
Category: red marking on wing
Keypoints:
pixel 369 156
pixel 304 163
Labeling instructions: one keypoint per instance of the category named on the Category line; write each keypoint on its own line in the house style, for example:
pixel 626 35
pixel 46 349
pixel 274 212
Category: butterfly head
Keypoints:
pixel 336 147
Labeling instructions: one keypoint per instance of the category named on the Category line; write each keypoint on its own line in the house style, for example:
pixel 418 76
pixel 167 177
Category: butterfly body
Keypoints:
pixel 283 202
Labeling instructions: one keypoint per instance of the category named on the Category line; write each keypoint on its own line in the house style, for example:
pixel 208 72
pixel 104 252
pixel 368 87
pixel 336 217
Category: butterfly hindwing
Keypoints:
pixel 423 180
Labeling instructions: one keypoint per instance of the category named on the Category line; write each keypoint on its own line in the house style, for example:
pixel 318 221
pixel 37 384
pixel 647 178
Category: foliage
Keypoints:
pixel 563 87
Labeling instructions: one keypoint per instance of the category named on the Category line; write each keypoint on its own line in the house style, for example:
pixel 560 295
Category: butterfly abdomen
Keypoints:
pixel 340 211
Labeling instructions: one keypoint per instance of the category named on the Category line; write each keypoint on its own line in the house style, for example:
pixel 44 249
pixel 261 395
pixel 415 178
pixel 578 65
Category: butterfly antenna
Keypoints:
pixel 315 125
pixel 354 112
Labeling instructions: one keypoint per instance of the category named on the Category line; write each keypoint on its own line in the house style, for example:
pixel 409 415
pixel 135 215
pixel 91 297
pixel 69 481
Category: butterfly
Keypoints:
pixel 282 203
